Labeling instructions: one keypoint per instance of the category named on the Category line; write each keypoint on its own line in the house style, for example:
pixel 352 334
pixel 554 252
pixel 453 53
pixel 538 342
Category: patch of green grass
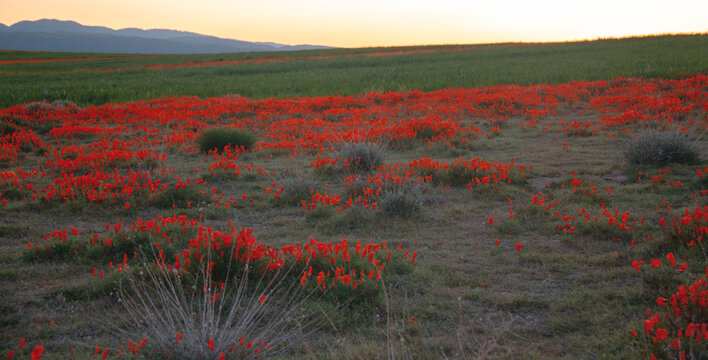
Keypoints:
pixel 89 290
pixel 79 250
pixel 647 57
pixel 529 218
pixel 319 213
pixel 183 197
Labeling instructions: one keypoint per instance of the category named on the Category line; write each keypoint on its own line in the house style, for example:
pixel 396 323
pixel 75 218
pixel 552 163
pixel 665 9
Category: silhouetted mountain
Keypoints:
pixel 56 35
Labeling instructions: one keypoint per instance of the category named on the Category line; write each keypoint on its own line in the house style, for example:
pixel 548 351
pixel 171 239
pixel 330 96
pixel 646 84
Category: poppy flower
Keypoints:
pixel 37 352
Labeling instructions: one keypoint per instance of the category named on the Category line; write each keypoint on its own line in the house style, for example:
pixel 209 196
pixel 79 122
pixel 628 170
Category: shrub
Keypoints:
pixel 295 190
pixel 401 201
pixel 221 137
pixel 660 147
pixel 362 156
pixel 240 315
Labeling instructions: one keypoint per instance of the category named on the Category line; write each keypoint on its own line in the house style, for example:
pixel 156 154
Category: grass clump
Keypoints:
pixel 660 147
pixel 362 156
pixel 401 202
pixel 296 190
pixel 216 139
pixel 264 314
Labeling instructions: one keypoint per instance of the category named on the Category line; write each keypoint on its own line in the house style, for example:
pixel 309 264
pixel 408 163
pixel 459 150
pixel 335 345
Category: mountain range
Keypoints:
pixel 58 35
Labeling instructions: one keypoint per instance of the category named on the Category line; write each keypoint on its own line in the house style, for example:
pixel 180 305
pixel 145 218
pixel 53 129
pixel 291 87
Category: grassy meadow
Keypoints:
pixel 498 274
pixel 347 72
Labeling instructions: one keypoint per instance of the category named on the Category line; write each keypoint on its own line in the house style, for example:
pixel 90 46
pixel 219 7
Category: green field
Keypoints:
pixel 541 292
pixel 521 64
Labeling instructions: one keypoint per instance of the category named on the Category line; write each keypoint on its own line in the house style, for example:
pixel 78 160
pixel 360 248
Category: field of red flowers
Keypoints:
pixel 499 221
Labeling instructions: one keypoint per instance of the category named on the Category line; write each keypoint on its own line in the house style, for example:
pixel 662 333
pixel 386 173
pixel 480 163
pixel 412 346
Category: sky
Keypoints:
pixel 365 23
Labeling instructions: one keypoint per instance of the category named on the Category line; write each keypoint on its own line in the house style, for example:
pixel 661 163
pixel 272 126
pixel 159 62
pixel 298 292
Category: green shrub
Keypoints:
pixel 362 156
pixel 660 147
pixel 219 138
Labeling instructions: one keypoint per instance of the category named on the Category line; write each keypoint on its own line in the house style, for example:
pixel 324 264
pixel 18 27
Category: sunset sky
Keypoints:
pixel 378 22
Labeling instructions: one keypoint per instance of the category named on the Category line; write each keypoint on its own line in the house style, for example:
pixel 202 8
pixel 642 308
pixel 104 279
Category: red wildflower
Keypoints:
pixel 37 352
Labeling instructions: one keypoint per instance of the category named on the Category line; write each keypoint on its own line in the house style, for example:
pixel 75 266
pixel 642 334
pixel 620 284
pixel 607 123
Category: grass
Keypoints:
pixel 562 296
pixel 522 64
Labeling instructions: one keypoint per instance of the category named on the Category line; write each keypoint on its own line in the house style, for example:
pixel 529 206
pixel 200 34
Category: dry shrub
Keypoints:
pixel 362 156
pixel 265 313
pixel 660 147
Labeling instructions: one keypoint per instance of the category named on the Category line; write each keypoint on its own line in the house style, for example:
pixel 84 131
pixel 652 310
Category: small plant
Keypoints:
pixel 660 147
pixel 216 139
pixel 295 190
pixel 401 201
pixel 362 156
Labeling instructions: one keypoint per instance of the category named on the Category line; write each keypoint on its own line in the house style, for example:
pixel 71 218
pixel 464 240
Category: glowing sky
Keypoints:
pixel 378 22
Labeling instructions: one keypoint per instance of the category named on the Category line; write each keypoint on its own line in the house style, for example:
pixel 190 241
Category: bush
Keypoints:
pixel 161 303
pixel 660 147
pixel 362 156
pixel 401 202
pixel 219 138
pixel 296 190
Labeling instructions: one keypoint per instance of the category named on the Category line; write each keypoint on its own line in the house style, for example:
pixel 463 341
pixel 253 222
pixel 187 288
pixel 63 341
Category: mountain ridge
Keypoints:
pixel 70 36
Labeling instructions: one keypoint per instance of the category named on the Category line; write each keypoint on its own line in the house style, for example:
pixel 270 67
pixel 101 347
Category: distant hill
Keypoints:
pixel 57 35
